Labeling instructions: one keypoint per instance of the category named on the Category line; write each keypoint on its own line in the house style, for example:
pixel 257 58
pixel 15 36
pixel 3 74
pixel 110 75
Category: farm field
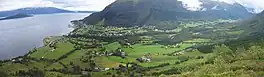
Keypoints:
pixel 106 51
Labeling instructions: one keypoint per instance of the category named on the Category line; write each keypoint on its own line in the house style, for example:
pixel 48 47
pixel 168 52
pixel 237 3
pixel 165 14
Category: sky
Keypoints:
pixel 97 5
pixel 75 5
pixel 258 5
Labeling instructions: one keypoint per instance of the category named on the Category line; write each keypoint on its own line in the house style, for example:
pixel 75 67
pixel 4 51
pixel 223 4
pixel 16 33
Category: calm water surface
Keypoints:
pixel 18 36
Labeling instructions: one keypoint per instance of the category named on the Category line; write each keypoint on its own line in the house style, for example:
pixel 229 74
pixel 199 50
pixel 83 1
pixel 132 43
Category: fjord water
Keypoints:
pixel 18 36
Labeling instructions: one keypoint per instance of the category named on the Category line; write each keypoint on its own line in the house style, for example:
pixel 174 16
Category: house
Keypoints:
pixel 180 53
pixel 145 58
pixel 17 60
pixel 120 52
pixel 52 50
pixel 105 69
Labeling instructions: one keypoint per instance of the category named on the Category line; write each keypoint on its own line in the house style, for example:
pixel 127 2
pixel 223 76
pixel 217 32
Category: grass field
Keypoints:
pixel 41 52
pixel 235 32
pixel 54 66
pixel 138 51
pixel 57 74
pixel 190 63
pixel 106 62
pixel 12 68
pixel 61 49
pixel 74 57
pixel 157 52
pixel 16 67
pixel 112 46
pixel 199 40
pixel 46 52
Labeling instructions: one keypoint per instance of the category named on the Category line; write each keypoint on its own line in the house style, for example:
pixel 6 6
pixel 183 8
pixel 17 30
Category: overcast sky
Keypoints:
pixel 97 5
pixel 91 5
pixel 258 5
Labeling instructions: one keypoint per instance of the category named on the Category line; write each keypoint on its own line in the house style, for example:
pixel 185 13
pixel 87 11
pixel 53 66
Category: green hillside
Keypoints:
pixel 219 47
pixel 146 12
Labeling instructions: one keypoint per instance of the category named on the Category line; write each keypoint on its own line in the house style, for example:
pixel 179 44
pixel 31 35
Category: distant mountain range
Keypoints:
pixel 38 10
pixel 16 16
pixel 142 12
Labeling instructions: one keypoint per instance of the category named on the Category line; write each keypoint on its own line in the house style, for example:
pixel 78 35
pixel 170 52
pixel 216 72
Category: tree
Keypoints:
pixel 77 69
pixel 184 34
pixel 87 75
pixel 224 52
pixel 31 73
pixel 257 52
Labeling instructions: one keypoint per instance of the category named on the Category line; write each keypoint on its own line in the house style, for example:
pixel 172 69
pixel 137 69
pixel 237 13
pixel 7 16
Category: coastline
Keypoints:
pixel 45 40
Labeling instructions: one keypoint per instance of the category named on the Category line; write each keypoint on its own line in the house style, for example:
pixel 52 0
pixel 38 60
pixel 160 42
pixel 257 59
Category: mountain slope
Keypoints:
pixel 253 33
pixel 140 12
pixel 225 10
pixel 256 23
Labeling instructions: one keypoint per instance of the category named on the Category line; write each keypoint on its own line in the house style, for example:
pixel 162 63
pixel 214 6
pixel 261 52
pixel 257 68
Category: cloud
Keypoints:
pixel 256 4
pixel 97 5
pixel 94 5
pixel 193 5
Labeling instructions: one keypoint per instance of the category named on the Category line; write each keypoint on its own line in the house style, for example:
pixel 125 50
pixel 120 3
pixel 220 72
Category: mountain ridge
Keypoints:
pixel 142 12
pixel 16 16
pixel 38 10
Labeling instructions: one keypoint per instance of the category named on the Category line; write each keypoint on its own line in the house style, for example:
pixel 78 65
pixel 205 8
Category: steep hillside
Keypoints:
pixel 225 10
pixel 256 23
pixel 253 32
pixel 141 12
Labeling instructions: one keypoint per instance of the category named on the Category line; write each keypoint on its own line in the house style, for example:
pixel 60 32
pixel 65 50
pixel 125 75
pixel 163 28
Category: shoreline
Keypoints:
pixel 30 51
pixel 48 39
pixel 71 27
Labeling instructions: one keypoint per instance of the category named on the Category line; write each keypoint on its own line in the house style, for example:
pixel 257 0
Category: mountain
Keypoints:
pixel 16 16
pixel 256 23
pixel 38 10
pixel 253 25
pixel 141 12
pixel 225 10
pixel 253 32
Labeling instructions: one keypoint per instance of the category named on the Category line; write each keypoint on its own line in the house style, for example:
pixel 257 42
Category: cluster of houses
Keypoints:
pixel 117 31
pixel 120 52
pixel 145 58
pixel 172 46
pixel 179 53
pixel 17 59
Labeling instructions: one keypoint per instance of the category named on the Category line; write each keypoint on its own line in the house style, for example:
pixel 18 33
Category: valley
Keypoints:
pixel 143 38
pixel 98 50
